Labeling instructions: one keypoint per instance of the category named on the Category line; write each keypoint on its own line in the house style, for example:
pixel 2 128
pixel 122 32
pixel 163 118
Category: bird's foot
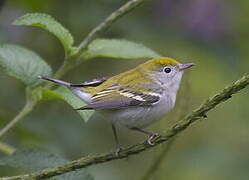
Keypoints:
pixel 118 149
pixel 151 138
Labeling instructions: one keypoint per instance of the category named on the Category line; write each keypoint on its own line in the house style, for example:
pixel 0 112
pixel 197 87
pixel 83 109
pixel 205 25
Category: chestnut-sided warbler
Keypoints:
pixel 135 98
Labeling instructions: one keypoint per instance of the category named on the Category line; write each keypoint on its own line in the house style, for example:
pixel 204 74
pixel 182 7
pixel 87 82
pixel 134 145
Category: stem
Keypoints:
pixel 26 110
pixel 130 5
pixel 7 149
pixel 71 62
pixel 180 126
pixel 158 161
pixel 64 68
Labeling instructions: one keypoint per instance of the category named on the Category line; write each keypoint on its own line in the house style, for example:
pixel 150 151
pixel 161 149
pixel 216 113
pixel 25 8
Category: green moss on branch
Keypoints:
pixel 195 115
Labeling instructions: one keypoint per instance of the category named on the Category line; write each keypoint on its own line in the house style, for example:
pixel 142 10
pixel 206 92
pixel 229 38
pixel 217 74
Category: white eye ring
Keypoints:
pixel 167 70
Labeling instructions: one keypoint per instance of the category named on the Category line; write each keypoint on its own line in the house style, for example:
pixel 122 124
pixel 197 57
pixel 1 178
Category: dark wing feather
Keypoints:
pixel 92 83
pixel 121 99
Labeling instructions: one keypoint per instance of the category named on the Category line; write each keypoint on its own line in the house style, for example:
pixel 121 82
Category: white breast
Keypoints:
pixel 142 116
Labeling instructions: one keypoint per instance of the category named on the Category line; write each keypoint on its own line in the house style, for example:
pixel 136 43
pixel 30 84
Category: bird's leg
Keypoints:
pixel 118 146
pixel 152 135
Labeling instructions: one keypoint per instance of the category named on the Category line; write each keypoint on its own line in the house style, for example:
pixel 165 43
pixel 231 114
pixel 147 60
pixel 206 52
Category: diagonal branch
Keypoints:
pixel 70 62
pixel 195 115
pixel 158 160
pixel 130 5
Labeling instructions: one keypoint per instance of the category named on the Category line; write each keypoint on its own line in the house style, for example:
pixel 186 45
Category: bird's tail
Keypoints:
pixel 75 88
pixel 63 83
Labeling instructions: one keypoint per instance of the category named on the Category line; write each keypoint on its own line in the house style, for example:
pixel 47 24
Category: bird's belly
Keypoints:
pixel 140 116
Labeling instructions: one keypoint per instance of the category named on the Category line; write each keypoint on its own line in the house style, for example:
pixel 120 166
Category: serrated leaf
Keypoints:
pixel 117 48
pixel 65 94
pixel 48 23
pixel 23 64
pixel 37 160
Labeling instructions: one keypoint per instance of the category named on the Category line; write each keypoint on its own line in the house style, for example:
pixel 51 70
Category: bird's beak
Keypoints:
pixel 185 66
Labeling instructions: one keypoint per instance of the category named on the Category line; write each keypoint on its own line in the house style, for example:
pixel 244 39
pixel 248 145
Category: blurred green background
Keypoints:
pixel 212 33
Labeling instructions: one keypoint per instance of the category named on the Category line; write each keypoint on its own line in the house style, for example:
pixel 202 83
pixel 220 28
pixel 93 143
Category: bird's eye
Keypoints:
pixel 167 70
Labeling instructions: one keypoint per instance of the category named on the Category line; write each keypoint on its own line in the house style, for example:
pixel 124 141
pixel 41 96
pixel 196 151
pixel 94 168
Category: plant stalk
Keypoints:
pixel 25 110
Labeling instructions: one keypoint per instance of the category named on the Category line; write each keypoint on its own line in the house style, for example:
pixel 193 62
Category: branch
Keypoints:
pixel 195 115
pixel 158 160
pixel 107 22
pixel 69 63
pixel 30 103
pixel 6 149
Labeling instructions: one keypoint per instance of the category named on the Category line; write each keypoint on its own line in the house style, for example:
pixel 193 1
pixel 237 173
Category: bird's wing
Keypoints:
pixel 116 97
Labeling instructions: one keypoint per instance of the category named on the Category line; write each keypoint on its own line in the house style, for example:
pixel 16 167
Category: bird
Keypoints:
pixel 135 98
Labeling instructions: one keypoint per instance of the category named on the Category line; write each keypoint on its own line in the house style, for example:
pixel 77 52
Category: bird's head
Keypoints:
pixel 166 71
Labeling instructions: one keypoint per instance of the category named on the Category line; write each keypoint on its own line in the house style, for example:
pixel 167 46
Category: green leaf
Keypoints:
pixel 74 101
pixel 37 160
pixel 65 94
pixel 117 48
pixel 48 23
pixel 45 94
pixel 23 64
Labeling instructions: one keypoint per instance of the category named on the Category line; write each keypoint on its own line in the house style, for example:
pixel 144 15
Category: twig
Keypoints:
pixel 6 149
pixel 71 62
pixel 107 22
pixel 195 115
pixel 25 110
pixel 158 161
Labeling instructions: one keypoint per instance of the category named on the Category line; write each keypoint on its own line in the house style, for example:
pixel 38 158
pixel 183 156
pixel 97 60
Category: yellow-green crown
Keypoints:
pixel 160 62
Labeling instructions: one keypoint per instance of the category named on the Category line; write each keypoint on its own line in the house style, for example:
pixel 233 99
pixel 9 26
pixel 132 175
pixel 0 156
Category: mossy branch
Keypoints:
pixel 180 126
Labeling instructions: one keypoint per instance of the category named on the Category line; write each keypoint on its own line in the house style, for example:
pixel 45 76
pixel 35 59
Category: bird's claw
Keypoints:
pixel 151 137
pixel 118 149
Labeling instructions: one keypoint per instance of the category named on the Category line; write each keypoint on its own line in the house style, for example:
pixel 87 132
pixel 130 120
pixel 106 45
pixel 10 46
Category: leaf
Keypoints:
pixel 117 48
pixel 65 94
pixel 37 160
pixel 48 23
pixel 45 94
pixel 74 101
pixel 23 64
